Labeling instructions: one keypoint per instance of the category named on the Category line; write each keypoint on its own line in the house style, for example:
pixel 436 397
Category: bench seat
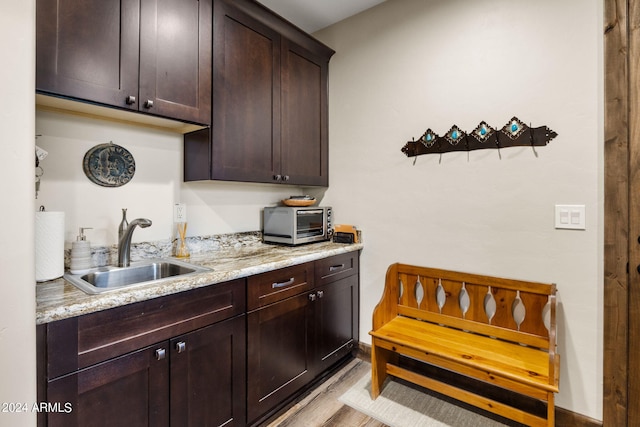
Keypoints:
pixel 488 356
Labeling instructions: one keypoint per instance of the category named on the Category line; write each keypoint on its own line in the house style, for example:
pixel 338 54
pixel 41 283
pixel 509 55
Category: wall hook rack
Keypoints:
pixel 513 134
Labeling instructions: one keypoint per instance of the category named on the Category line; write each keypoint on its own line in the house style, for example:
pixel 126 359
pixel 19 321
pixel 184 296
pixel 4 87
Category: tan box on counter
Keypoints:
pixel 344 233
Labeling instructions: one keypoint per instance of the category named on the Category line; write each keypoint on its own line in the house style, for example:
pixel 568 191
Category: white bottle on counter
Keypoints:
pixel 80 254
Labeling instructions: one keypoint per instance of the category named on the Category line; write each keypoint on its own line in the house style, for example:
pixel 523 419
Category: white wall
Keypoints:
pixel 409 65
pixel 17 275
pixel 212 207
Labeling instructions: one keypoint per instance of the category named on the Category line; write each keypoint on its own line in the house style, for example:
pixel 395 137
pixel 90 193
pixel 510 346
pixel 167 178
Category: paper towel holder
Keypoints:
pixel 49 244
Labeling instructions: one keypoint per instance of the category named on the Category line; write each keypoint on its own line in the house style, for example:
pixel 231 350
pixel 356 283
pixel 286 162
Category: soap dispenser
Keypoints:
pixel 80 254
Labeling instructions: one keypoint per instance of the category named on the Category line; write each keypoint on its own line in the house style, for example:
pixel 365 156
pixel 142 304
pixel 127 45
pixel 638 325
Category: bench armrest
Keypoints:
pixel 387 307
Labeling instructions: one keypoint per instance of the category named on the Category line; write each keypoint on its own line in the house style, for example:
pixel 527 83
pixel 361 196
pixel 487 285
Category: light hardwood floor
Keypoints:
pixel 322 408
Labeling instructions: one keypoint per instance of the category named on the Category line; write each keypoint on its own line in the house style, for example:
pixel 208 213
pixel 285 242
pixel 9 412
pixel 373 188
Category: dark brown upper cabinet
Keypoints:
pixel 269 102
pixel 152 56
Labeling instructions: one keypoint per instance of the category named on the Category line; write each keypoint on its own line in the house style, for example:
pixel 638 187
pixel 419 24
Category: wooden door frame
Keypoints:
pixel 621 212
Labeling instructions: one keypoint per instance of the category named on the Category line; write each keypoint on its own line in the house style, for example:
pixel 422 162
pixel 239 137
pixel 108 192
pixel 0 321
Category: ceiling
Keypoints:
pixel 313 15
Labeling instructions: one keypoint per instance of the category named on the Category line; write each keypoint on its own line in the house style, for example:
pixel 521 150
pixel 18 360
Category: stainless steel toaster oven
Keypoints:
pixel 297 225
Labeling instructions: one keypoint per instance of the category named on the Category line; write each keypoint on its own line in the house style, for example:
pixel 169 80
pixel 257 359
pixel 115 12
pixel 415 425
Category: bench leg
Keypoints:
pixel 551 410
pixel 379 359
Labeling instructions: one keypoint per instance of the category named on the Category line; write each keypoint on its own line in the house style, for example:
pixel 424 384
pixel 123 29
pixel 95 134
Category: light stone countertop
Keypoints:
pixel 58 299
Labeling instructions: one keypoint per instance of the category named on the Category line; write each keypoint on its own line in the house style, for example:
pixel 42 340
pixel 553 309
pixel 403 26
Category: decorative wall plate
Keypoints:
pixel 109 165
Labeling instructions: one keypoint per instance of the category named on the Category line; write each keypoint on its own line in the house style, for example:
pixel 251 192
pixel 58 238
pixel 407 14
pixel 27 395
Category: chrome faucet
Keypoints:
pixel 124 245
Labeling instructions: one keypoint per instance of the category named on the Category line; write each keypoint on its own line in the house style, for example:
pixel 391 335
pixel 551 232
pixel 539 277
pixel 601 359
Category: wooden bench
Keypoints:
pixel 498 331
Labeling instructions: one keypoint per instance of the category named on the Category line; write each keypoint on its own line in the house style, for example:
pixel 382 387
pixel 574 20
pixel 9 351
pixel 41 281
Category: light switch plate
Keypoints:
pixel 571 217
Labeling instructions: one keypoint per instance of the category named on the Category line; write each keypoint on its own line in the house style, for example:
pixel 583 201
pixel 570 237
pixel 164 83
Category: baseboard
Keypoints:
pixel 364 352
pixel 567 418
pixel 564 417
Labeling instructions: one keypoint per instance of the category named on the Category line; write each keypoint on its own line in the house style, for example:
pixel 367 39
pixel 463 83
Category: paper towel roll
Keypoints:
pixel 49 232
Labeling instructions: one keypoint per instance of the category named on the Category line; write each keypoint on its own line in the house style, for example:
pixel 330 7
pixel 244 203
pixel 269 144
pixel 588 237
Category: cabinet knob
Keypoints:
pixel 277 177
pixel 130 100
pixel 161 353
pixel 148 103
pixel 320 294
pixel 285 178
pixel 312 297
pixel 181 346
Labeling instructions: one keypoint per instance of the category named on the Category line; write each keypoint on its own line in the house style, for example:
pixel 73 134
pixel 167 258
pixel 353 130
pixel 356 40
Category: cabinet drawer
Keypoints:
pixel 267 288
pixel 86 340
pixel 336 267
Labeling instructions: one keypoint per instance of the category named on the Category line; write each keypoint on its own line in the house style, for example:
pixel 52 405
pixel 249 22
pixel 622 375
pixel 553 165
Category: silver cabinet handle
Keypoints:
pixel 312 297
pixel 148 103
pixel 181 346
pixel 130 100
pixel 320 294
pixel 161 353
pixel 283 284
pixel 336 267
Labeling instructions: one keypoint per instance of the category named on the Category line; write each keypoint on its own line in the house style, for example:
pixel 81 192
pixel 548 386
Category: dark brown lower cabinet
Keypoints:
pixel 131 390
pixel 336 321
pixel 208 377
pixel 198 358
pixel 177 360
pixel 293 341
pixel 196 379
pixel 278 353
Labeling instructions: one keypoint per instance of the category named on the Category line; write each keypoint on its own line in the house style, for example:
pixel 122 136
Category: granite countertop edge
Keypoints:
pixel 58 299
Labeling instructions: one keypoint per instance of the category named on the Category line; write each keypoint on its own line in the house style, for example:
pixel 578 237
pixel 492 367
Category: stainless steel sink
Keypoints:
pixel 105 279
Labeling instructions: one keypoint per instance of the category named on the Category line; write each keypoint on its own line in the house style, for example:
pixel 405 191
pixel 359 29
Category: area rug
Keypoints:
pixel 400 405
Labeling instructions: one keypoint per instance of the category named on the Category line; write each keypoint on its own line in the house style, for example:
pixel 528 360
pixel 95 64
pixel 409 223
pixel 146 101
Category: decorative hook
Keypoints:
pixel 482 137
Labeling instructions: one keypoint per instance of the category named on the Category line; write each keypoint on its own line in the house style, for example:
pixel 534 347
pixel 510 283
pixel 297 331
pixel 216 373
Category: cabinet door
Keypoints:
pixel 304 150
pixel 88 49
pixel 246 97
pixel 208 381
pixel 131 390
pixel 278 353
pixel 336 319
pixel 175 59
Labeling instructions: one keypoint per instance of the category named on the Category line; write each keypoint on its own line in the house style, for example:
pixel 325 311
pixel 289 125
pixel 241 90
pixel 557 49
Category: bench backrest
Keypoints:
pixel 513 310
